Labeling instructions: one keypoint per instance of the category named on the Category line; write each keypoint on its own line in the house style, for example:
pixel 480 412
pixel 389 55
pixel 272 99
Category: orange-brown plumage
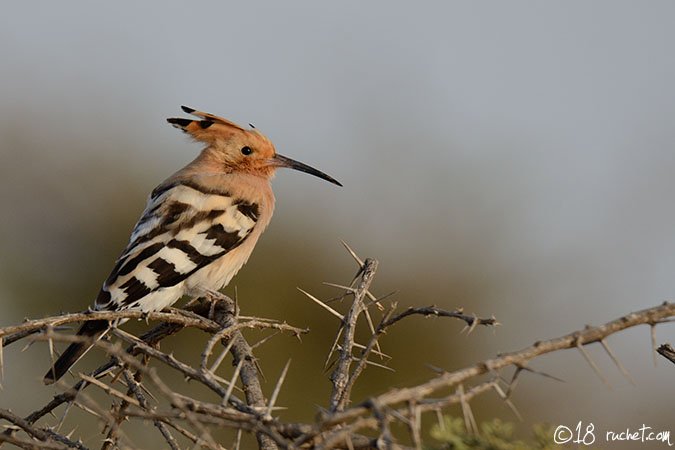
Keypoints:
pixel 199 227
pixel 225 141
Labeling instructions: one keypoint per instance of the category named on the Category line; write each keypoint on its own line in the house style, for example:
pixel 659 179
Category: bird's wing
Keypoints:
pixel 185 227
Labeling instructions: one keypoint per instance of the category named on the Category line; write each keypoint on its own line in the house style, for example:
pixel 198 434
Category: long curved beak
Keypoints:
pixel 283 161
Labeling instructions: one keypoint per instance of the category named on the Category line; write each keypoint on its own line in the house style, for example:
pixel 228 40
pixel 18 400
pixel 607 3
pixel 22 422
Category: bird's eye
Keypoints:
pixel 246 151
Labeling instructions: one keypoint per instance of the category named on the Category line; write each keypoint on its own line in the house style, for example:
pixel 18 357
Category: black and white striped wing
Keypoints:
pixel 184 228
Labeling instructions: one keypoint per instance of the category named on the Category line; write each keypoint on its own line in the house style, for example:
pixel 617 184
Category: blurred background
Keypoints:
pixel 514 158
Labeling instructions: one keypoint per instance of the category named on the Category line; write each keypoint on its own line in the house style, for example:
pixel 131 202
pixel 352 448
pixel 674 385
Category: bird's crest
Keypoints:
pixel 208 128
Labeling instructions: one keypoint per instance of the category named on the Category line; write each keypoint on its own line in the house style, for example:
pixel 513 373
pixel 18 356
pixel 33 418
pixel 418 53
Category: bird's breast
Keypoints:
pixel 254 198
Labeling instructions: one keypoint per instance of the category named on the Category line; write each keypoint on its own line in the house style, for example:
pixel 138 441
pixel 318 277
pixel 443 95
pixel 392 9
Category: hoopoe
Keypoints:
pixel 198 229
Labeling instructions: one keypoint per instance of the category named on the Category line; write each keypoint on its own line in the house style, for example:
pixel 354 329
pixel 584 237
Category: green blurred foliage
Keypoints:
pixel 494 435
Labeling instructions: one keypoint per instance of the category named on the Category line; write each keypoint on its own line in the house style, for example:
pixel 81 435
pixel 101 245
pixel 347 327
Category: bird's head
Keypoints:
pixel 239 149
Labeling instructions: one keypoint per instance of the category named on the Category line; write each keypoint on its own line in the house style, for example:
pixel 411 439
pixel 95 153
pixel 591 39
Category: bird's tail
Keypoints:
pixel 94 329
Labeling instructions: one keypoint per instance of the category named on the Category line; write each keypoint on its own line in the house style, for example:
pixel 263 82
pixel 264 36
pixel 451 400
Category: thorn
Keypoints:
pixel 65 412
pixel 2 365
pixel 469 420
pixel 116 377
pixel 147 392
pixel 474 324
pixel 439 417
pixel 380 354
pixel 228 393
pixel 349 289
pixel 221 357
pixel 435 369
pixel 51 348
pixel 400 417
pixel 653 335
pixel 372 328
pixel 374 364
pixel 109 390
pixel 329 365
pixel 322 304
pixel 543 374
pixel 226 382
pixel 277 388
pixel 374 300
pixel 351 252
pixel 332 348
pixel 415 424
pixel 506 399
pixel 618 364
pixel 377 300
pixel 237 440
pixel 370 296
pixel 266 338
pixel 592 364
pixel 260 371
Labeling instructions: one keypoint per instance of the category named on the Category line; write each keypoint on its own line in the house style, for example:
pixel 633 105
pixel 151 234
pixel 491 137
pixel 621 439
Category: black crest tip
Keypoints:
pixel 187 109
pixel 178 122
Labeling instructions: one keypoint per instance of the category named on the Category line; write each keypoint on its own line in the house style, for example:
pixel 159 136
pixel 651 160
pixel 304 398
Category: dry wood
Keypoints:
pixel 135 389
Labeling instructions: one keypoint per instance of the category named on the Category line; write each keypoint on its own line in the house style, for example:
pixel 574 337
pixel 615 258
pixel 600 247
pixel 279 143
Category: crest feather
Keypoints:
pixel 210 117
pixel 209 129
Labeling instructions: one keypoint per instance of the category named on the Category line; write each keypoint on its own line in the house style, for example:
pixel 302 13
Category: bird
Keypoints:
pixel 198 228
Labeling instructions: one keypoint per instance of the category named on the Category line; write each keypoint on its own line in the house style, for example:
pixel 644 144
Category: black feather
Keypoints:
pixel 93 329
pixel 179 121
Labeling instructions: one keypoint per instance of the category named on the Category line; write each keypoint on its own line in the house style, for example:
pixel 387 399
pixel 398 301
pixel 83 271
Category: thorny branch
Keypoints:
pixel 135 380
pixel 667 351
pixel 215 314
pixel 340 376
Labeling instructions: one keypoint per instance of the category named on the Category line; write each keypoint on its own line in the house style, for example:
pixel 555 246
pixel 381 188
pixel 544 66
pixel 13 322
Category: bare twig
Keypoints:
pixel 434 311
pixel 172 317
pixel 225 315
pixel 588 336
pixel 39 433
pixel 150 396
pixel 136 389
pixel 667 351
pixel 340 375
